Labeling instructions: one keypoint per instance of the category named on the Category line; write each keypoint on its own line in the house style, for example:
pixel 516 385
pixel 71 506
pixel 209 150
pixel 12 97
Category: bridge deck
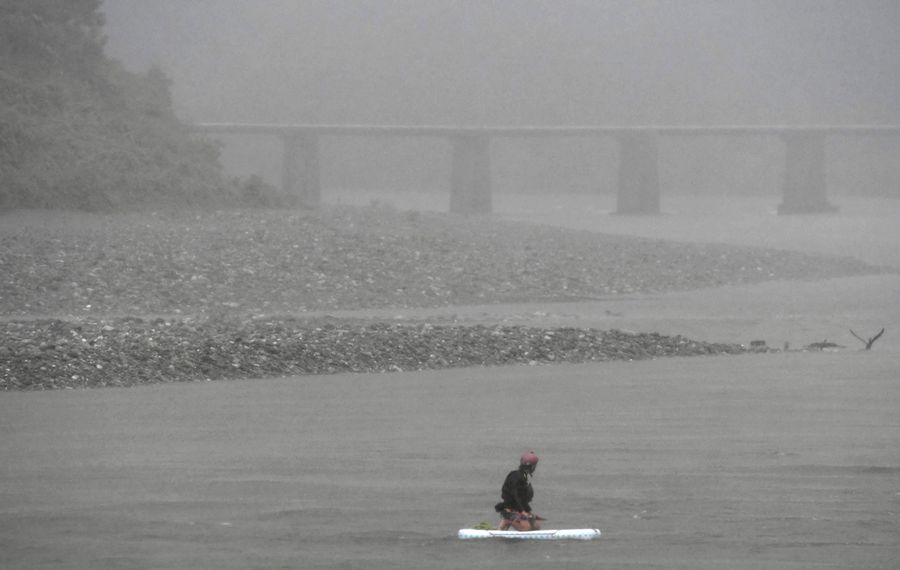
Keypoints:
pixel 537 131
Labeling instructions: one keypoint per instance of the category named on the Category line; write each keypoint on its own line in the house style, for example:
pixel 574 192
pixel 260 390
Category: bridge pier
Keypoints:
pixel 300 175
pixel 470 175
pixel 804 174
pixel 804 189
pixel 638 173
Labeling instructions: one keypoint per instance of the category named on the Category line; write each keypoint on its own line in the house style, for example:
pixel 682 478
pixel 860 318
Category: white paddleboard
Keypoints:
pixel 550 534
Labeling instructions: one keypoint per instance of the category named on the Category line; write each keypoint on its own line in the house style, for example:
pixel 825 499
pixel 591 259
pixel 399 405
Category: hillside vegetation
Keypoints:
pixel 78 131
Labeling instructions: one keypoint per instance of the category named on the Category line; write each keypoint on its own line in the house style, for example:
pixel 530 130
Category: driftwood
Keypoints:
pixel 825 344
pixel 869 342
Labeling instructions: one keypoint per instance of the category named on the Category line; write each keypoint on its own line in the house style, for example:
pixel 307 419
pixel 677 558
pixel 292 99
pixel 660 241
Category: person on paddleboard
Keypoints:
pixel 517 493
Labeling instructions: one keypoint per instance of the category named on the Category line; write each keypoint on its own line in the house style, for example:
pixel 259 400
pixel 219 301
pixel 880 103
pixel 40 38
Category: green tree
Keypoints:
pixel 79 131
pixel 59 35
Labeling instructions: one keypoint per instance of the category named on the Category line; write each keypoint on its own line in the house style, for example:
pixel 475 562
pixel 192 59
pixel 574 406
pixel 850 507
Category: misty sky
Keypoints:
pixel 519 61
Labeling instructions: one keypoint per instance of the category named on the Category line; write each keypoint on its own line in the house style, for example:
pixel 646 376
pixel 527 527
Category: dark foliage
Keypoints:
pixel 78 131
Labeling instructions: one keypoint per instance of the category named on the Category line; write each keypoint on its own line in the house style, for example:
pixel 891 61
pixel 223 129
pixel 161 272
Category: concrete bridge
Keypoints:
pixel 804 186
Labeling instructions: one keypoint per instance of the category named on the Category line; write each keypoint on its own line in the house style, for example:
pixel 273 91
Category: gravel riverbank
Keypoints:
pixel 42 355
pixel 128 299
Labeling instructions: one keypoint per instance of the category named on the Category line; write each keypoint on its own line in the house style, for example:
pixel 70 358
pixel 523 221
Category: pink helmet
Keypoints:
pixel 529 459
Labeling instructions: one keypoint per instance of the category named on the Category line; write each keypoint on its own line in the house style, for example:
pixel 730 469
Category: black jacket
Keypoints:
pixel 517 492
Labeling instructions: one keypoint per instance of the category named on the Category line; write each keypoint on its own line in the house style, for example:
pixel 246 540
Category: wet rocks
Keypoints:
pixel 130 352
pixel 258 261
pixel 78 292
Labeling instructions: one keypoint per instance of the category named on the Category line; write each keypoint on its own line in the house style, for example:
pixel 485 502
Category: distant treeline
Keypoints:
pixel 78 131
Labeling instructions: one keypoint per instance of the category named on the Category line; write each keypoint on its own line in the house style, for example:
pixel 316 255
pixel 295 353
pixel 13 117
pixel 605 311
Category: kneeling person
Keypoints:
pixel 517 493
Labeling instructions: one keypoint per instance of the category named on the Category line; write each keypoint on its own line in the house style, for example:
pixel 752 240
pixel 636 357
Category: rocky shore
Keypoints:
pixel 120 300
pixel 42 355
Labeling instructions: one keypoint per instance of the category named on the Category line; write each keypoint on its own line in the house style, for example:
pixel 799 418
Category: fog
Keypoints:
pixel 527 62
pixel 519 61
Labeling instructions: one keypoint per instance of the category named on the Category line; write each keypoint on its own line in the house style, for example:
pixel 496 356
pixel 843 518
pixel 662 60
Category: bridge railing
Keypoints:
pixel 804 186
